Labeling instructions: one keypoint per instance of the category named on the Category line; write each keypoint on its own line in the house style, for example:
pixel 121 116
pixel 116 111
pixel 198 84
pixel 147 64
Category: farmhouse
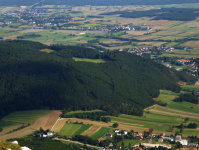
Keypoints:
pixel 49 134
pixel 109 134
pixel 140 137
pixel 117 130
pixel 158 134
pixel 125 132
pixel 160 140
pixel 149 138
pixel 178 138
pixel 137 148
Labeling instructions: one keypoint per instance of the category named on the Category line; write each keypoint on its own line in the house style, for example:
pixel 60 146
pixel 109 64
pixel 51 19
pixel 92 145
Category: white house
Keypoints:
pixel 184 142
pixel 44 135
pixel 119 134
pixel 125 132
pixel 49 134
pixel 117 130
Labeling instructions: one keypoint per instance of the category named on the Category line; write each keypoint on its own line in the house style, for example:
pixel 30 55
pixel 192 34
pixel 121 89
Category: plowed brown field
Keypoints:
pixel 52 118
pixel 44 122
pixel 59 125
pixel 92 130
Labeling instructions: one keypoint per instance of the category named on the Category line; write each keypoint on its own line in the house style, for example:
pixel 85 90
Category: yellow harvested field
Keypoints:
pixel 59 125
pixel 91 131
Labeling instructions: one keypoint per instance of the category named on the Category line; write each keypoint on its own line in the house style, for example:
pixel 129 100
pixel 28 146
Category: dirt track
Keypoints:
pixel 44 122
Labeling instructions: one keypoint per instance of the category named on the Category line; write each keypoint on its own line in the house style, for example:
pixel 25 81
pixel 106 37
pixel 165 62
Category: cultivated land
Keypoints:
pixel 161 29
pixel 46 122
pixel 157 117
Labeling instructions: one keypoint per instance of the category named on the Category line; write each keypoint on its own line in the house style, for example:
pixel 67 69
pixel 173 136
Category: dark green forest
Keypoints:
pixel 94 2
pixel 126 83
pixel 181 14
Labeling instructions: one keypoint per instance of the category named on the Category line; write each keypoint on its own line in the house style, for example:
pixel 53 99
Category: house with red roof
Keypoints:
pixel 149 138
pixel 138 148
pixel 69 137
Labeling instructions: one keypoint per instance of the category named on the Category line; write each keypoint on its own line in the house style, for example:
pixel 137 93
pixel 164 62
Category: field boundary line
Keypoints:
pixel 55 123
pixel 95 131
pixel 86 130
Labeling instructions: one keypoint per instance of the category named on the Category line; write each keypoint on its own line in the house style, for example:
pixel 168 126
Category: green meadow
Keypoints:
pixel 82 129
pixel 166 96
pixel 100 133
pixel 127 141
pixel 6 124
pixel 26 116
pixel 184 106
pixel 190 87
pixel 151 118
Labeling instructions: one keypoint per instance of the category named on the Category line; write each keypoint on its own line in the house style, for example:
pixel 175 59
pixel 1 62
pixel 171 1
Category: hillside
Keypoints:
pixel 126 83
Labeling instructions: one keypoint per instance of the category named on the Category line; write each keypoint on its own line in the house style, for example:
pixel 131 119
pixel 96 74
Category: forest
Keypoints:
pixel 188 98
pixel 180 14
pixel 125 83
pixel 94 2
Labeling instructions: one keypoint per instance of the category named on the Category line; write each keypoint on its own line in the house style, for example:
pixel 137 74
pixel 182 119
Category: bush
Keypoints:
pixel 192 125
pixel 115 125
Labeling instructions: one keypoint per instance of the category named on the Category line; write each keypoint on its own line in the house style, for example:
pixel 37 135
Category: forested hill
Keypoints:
pixel 93 2
pixel 126 83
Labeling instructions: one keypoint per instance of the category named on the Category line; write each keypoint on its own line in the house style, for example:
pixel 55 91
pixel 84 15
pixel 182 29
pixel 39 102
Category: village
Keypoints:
pixel 147 140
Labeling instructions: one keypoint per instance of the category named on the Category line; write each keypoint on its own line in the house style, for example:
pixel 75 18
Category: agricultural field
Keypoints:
pixel 71 129
pixel 23 117
pixel 100 133
pixel 46 121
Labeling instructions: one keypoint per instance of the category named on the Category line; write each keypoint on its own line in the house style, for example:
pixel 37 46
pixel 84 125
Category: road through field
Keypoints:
pixel 43 122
